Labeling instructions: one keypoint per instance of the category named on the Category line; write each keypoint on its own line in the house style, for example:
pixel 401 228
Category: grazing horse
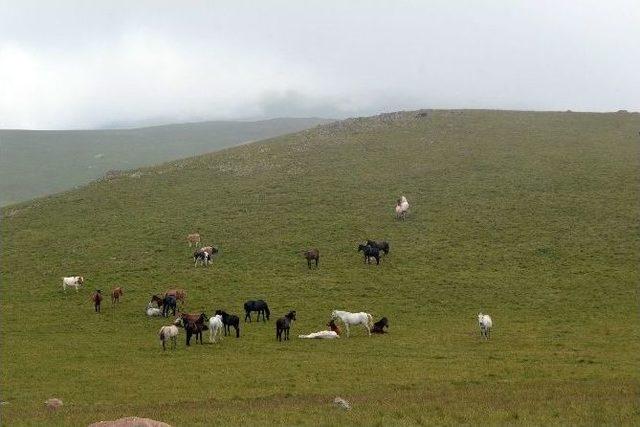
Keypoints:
pixel 116 294
pixel 168 332
pixel 97 299
pixel 283 324
pixel 202 257
pixel 311 255
pixel 193 238
pixel 229 320
pixel 382 245
pixel 215 327
pixel 193 324
pixel 370 252
pixel 348 318
pixel 378 327
pixel 260 306
pixel 158 300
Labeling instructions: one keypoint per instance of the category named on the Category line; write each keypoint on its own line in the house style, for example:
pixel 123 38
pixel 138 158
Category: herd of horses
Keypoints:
pixel 222 322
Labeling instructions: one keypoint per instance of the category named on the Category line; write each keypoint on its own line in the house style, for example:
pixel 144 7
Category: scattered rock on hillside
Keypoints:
pixel 53 403
pixel 130 422
pixel 341 403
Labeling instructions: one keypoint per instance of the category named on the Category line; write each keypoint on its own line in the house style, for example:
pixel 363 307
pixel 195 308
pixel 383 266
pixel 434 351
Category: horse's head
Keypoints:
pixel 291 315
pixel 361 247
pixel 334 314
pixel 202 318
pixel 220 312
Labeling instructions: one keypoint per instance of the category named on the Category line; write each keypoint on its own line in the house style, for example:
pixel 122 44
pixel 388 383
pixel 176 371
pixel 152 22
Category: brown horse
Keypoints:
pixel 193 324
pixel 116 293
pixel 332 326
pixel 179 294
pixel 311 255
pixel 97 299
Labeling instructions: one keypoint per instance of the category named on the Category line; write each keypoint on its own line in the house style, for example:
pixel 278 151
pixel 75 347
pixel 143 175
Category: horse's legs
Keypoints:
pixel 163 346
pixel 317 259
pixel 247 314
pixel 211 337
pixel 309 263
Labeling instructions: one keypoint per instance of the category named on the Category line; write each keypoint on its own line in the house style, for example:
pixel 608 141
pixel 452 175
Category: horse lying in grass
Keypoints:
pixel 378 327
pixel 283 325
pixel 332 333
pixel 229 320
pixel 348 318
pixel 166 333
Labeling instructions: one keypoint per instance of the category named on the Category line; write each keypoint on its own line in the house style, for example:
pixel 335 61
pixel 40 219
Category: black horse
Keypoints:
pixel 193 325
pixel 383 245
pixel 312 255
pixel 169 303
pixel 370 252
pixel 378 327
pixel 229 320
pixel 260 306
pixel 283 324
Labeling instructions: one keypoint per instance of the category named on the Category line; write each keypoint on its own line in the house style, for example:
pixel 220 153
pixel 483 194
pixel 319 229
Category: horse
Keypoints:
pixel 180 294
pixel 382 245
pixel 202 257
pixel 215 327
pixel 168 332
pixel 485 323
pixel 169 303
pixel 370 252
pixel 348 318
pixel 283 324
pixel 157 299
pixel 153 311
pixel 116 293
pixel 333 327
pixel 378 327
pixel 260 306
pixel 402 206
pixel 310 255
pixel 229 320
pixel 97 299
pixel 193 324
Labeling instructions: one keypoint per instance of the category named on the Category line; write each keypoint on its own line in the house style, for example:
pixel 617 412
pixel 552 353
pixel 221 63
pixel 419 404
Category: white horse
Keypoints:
pixel 329 335
pixel 215 327
pixel 401 208
pixel 168 332
pixel 485 323
pixel 348 318
pixel 153 311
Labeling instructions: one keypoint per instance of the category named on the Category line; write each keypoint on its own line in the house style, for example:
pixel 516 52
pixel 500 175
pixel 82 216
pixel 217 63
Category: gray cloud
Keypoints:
pixel 87 64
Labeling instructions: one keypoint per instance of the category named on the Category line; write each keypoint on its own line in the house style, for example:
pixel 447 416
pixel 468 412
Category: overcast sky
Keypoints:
pixel 88 64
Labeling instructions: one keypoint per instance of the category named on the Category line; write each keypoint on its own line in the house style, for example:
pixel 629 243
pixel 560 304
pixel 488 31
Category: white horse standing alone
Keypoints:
pixel 168 332
pixel 402 207
pixel 348 318
pixel 215 327
pixel 485 323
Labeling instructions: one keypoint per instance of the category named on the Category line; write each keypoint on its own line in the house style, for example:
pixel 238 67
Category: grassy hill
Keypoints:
pixel 530 217
pixel 36 163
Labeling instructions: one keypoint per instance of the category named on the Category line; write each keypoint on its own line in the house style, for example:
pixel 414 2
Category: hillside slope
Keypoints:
pixel 36 163
pixel 530 217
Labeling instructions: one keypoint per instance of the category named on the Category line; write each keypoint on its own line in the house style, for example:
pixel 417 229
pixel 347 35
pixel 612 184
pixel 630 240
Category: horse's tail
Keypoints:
pixel 162 337
pixel 370 320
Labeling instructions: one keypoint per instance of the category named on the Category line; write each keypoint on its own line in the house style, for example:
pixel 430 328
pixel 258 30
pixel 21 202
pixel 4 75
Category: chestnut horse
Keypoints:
pixel 116 294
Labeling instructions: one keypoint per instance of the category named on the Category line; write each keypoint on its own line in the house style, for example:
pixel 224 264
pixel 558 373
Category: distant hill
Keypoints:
pixel 37 163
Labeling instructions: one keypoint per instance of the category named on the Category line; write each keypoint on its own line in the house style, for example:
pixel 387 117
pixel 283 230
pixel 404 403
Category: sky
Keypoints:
pixel 112 63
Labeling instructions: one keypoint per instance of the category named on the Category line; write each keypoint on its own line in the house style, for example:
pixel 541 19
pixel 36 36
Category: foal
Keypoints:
pixel 311 255
pixel 116 294
pixel 283 324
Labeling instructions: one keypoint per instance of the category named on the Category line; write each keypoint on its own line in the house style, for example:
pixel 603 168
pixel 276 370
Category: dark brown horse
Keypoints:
pixel 193 324
pixel 97 299
pixel 283 324
pixel 333 327
pixel 311 255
